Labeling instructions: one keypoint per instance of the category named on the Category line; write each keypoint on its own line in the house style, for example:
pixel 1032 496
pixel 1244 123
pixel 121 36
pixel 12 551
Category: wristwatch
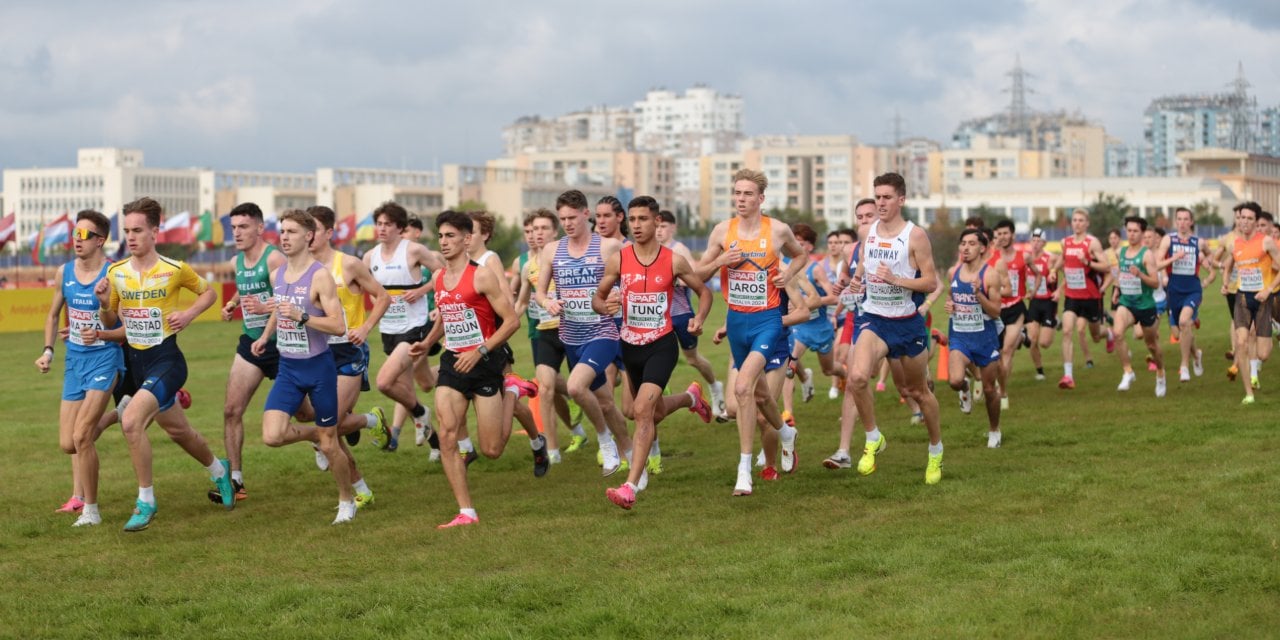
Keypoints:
pixel 484 351
pixel 304 318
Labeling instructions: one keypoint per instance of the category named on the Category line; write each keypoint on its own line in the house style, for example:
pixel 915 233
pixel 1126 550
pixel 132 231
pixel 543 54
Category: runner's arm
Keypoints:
pixel 710 262
pixel 1208 264
pixel 685 273
pixel 922 251
pixel 523 291
pixel 791 248
pixel 545 272
pixel 1163 250
pixel 229 308
pixel 990 305
pixel 604 299
pixel 51 325
pixel 1152 276
pixel 324 293
pixel 363 278
pixel 1227 260
pixel 1097 257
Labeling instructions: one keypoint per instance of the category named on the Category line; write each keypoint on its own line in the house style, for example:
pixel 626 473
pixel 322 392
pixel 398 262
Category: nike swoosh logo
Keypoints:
pixel 326 419
pixel 590 361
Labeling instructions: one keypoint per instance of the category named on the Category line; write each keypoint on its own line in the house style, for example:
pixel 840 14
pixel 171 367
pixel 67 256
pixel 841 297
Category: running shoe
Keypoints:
pixel 610 463
pixel 1067 382
pixel 575 443
pixel 346 512
pixel 769 473
pixel 215 495
pixel 393 444
pixel 1173 338
pixel 933 472
pixel 225 489
pixel 322 461
pixel 993 439
pixel 73 505
pixel 1026 339
pixel 88 520
pixel 353 438
pixel 460 520
pixel 880 387
pixel 917 418
pixel 1232 372
pixel 1184 375
pixel 643 482
pixel 1255 382
pixel 599 457
pixel 380 434
pixel 1088 364
pixel 1161 386
pixel 966 403
pixel 1231 356
pixel 1151 364
pixel 717 401
pixel 541 463
pixel 806 386
pixel 760 458
pixel 364 499
pixel 743 486
pixel 976 389
pixel 1126 381
pixel 789 458
pixel 700 406
pixel 143 514
pixel 1039 376
pixel 524 388
pixel 1197 365
pixel 419 436
pixel 624 496
pixel 867 464
pixel 434 456
pixel 575 413
pixel 184 398
pixel 468 457
pixel 788 419
pixel 833 393
pixel 554 457
pixel 939 337
pixel 838 460
pixel 1004 403
pixel 1111 341
pixel 654 465
pixel 1247 399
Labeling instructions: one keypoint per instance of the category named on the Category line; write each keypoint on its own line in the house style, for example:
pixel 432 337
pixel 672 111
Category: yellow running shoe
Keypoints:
pixel 933 472
pixel 655 465
pixel 575 443
pixel 1247 400
pixel 1255 382
pixel 363 500
pixel 867 463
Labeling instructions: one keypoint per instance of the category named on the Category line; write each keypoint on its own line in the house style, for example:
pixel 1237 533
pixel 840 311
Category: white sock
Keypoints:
pixel 744 463
pixel 577 431
pixel 1066 369
pixel 80 498
pixel 534 443
pixel 370 421
pixel 841 453
pixel 512 389
pixel 216 470
pixel 238 476
pixel 873 435
pixel 469 512
pixel 361 487
pixel 692 398
pixel 465 446
pixel 147 495
pixel 1253 367
pixel 628 484
pixel 604 437
pixel 91 510
pixel 935 449
pixel 654 450
pixel 553 453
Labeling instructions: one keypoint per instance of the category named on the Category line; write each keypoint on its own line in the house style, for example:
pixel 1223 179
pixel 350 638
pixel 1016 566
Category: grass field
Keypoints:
pixel 1103 515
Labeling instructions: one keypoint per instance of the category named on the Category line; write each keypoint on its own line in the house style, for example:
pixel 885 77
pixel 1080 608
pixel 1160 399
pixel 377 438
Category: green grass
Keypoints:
pixel 1104 515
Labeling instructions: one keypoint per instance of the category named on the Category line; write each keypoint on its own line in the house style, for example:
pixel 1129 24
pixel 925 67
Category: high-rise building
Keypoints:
pixel 993 158
pixel 356 191
pixel 600 127
pixel 1178 123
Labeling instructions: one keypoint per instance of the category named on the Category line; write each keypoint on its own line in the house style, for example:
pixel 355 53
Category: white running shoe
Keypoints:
pixel 760 458
pixel 966 402
pixel 717 398
pixel 1126 380
pixel 1004 403
pixel 1160 386
pixel 1184 375
pixel 346 512
pixel 419 435
pixel 1197 365
pixel 1040 376
pixel 434 456
pixel 611 462
pixel 87 519
pixel 993 439
pixel 322 461
pixel 788 458
pixel 833 394
pixel 977 389
pixel 553 456
pixel 644 480
pixel 806 387
pixel 743 486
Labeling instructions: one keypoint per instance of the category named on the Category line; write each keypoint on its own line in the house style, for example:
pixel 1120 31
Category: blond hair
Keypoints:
pixel 754 176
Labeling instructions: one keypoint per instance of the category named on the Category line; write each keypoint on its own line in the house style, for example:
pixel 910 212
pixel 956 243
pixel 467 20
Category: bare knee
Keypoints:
pixel 490 450
pixel 273 438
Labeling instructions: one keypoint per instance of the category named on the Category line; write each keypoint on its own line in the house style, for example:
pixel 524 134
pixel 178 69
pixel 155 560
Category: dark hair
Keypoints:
pixel 622 213
pixel 1159 231
pixel 484 220
pixel 571 198
pixel 1005 223
pixel 648 202
pixel 863 201
pixel 975 222
pixel 845 231
pixel 666 216
pixel 804 232
pixel 1141 222
pixel 302 218
pixel 324 215
pixel 1115 232
pixel 147 207
pixel 981 233
pixel 415 222
pixel 100 222
pixel 1266 215
pixel 396 214
pixel 543 213
pixel 893 180
pixel 247 209
pixel 1193 215
pixel 457 220
pixel 1250 205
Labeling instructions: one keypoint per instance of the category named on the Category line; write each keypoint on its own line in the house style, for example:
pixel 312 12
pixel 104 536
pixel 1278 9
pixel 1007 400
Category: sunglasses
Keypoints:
pixel 84 234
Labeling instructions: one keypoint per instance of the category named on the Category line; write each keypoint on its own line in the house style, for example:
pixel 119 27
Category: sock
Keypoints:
pixel 605 437
pixel 80 498
pixel 1066 369
pixel 577 430
pixel 1253 367
pixel 361 487
pixel 787 433
pixel 935 449
pixel 873 435
pixel 841 453
pixel 553 453
pixel 1040 370
pixel 418 410
pixel 216 470
pixel 91 510
pixel 654 450
pixel 465 446
pixel 512 389
pixel 537 443
pixel 692 398
pixel 433 440
pixel 147 495
pixel 469 512
pixel 628 484
pixel 744 462
pixel 370 421
pixel 238 476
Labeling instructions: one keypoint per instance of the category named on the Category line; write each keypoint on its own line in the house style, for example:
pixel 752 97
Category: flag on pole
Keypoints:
pixel 271 232
pixel 176 229
pixel 225 223
pixel 50 237
pixel 365 230
pixel 8 229
pixel 344 232
pixel 208 230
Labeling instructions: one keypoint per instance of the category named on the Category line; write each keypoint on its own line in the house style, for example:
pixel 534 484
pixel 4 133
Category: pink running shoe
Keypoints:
pixel 73 505
pixel 184 398
pixel 1066 383
pixel 524 388
pixel 769 473
pixel 459 520
pixel 624 496
pixel 1111 342
pixel 880 387
pixel 700 405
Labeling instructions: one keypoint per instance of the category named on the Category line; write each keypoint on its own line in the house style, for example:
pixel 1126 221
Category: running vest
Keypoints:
pixel 748 286
pixel 967 316
pixel 1134 293
pixel 647 292
pixel 145 300
pixel 1184 273
pixel 531 319
pixel 850 301
pixel 821 312
pixel 1044 288
pixel 83 310
pixel 682 303
pixel 254 282
pixel 401 317
pixel 467 314
pixel 1252 263
pixel 1075 266
pixel 294 340
pixel 576 280
pixel 1019 273
pixel 537 314
pixel 353 313
pixel 884 299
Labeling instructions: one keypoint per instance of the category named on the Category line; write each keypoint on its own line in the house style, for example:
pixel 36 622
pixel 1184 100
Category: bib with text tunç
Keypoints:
pixel 646 310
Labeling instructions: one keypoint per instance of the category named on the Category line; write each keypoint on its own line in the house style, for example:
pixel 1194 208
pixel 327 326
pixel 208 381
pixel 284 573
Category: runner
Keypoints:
pixel 253 265
pixel 745 250
pixel 864 214
pixel 647 271
pixel 1042 314
pixel 1230 280
pixel 576 264
pixel 397 264
pixel 1182 254
pixel 1254 256
pixel 1138 278
pixel 94 364
pixel 1082 263
pixel 818 333
pixel 306 313
pixel 471 300
pixel 413 232
pixel 896 272
pixel 973 337
pixel 682 312
pixel 1015 267
pixel 846 239
pixel 142 291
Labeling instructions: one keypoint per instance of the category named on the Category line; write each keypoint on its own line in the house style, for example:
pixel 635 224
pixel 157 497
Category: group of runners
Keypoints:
pixel 613 295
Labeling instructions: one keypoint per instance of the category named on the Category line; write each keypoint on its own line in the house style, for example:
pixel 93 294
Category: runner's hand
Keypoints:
pixel 553 307
pixel 179 321
pixel 103 291
pixel 357 336
pixel 613 303
pixel 88 335
pixel 228 312
pixel 43 362
pixel 695 326
pixel 1263 295
pixel 413 295
pixel 64 333
pixel 416 349
pixel 259 346
pixel 884 273
pixel 719 335
pixel 466 361
pixel 856 286
pixel 285 310
pixel 949 307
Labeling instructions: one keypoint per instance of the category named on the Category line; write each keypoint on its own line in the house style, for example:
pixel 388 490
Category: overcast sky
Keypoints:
pixel 292 85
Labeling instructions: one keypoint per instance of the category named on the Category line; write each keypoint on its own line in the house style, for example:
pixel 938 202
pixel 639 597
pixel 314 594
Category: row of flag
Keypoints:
pixel 182 228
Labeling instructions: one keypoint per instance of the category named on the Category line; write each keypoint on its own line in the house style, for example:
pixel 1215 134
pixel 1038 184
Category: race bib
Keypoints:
pixel 341 338
pixel 1075 277
pixel 646 311
pixel 79 320
pixel 292 337
pixel 748 288
pixel 396 319
pixel 968 318
pixel 1185 266
pixel 538 314
pixel 143 326
pixel 1250 279
pixel 577 306
pixel 1130 285
pixel 257 320
pixel 461 330
pixel 1042 287
pixel 849 301
pixel 1015 277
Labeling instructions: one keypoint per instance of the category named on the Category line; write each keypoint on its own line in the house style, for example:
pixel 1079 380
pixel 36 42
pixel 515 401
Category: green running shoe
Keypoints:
pixel 575 443
pixel 225 488
pixel 867 464
pixel 381 436
pixel 143 513
pixel 933 472
pixel 364 500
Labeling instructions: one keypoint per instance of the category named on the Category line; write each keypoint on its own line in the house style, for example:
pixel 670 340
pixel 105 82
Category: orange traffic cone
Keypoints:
pixel 535 405
pixel 943 369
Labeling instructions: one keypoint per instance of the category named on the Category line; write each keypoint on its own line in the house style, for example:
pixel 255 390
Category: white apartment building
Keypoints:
pixel 104 179
pixel 686 127
pixel 509 191
pixel 600 127
pixel 351 191
pixel 643 173
pixel 272 191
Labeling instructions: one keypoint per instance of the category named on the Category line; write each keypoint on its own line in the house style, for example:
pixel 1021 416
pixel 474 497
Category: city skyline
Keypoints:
pixel 288 87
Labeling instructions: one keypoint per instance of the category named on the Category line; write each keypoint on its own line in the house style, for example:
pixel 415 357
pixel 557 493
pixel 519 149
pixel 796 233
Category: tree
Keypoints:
pixel 944 237
pixel 1108 212
pixel 1205 213
pixel 989 216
